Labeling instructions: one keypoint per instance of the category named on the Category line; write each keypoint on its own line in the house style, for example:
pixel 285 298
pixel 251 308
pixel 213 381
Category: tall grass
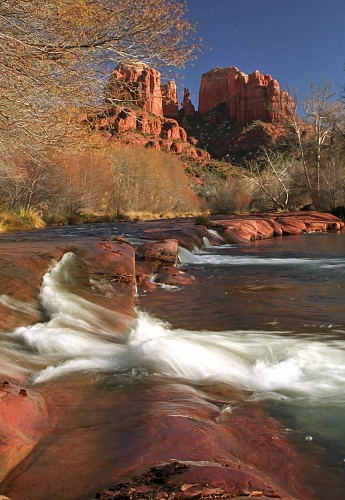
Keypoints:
pixel 21 220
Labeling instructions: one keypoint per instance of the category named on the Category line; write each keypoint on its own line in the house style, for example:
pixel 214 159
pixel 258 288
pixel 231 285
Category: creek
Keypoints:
pixel 263 326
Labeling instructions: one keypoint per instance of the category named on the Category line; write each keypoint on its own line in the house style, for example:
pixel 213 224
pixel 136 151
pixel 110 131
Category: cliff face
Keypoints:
pixel 237 113
pixel 153 114
pixel 248 97
pixel 188 108
pixel 169 99
pixel 139 84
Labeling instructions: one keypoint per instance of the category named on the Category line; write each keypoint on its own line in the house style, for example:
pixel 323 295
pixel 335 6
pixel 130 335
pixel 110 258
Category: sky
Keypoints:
pixel 295 41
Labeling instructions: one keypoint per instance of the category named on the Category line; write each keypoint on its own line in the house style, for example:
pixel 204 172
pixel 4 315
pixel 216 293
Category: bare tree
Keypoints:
pixel 274 174
pixel 293 123
pixel 55 57
pixel 323 116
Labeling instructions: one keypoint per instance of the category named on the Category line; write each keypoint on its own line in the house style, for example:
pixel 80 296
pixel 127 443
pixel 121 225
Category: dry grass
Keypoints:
pixel 23 220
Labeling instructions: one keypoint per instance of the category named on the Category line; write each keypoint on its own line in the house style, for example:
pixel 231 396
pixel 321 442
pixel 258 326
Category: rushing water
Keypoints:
pixel 264 320
pixel 280 304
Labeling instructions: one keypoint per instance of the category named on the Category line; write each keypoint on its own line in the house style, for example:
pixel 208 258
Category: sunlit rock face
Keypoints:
pixel 248 97
pixel 140 84
pixel 170 100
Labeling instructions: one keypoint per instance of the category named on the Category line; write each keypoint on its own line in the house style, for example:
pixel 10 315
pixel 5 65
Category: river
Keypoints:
pixel 263 326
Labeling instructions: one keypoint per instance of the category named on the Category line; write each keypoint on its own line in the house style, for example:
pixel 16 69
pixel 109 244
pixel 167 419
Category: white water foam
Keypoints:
pixel 187 257
pixel 206 242
pixel 216 235
pixel 210 258
pixel 75 338
pixel 254 361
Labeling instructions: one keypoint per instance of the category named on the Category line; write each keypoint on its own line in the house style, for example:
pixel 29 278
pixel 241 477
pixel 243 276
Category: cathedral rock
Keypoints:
pixel 248 97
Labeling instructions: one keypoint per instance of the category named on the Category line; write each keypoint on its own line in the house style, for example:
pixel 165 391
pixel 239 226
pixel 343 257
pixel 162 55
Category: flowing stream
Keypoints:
pixel 263 324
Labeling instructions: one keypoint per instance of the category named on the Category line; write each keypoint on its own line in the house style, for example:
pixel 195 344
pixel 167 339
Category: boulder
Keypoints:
pixel 172 131
pixel 170 275
pixel 162 251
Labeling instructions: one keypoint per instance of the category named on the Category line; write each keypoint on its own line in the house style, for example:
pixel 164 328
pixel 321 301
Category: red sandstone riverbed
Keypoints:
pixel 215 452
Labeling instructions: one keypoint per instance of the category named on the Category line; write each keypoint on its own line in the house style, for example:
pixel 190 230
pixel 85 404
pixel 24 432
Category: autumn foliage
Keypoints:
pixel 110 181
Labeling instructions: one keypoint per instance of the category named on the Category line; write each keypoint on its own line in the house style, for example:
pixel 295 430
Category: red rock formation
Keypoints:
pixel 138 83
pixel 170 101
pixel 148 124
pixel 188 108
pixel 247 228
pixel 170 275
pixel 23 421
pixel 248 97
pixel 162 251
pixel 173 131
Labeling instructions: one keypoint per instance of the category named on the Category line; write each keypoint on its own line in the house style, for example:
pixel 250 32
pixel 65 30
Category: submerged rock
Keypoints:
pixel 170 275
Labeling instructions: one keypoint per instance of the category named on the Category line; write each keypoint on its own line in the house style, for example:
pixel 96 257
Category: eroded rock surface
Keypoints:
pixel 228 451
pixel 23 422
pixel 248 97
pixel 246 228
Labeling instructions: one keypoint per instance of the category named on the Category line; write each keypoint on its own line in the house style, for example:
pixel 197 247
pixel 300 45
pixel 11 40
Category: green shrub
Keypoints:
pixel 202 220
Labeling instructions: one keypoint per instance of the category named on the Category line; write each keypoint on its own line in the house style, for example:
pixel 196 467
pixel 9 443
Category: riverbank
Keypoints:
pixel 104 272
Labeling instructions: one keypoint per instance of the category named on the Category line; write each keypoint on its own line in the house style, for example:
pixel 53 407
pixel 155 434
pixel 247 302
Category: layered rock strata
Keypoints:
pixel 169 99
pixel 248 97
pixel 137 83
pixel 136 102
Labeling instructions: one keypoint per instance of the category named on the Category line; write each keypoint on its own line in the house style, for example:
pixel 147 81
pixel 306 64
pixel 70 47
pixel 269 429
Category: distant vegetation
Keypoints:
pixel 300 165
pixel 104 184
pixel 53 70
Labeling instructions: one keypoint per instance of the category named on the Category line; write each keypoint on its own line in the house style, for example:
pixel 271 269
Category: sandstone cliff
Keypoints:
pixel 141 111
pixel 248 97
pixel 169 99
pixel 137 83
pixel 237 113
pixel 187 106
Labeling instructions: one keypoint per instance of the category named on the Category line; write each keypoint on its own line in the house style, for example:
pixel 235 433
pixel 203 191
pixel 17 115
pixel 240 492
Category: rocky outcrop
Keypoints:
pixel 187 106
pixel 122 124
pixel 173 131
pixel 170 100
pixel 248 97
pixel 137 83
pixel 203 458
pixel 135 102
pixel 247 228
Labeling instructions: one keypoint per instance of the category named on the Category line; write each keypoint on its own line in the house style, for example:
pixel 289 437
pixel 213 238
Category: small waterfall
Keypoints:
pixel 77 335
pixel 270 364
pixel 216 235
pixel 207 243
pixel 187 257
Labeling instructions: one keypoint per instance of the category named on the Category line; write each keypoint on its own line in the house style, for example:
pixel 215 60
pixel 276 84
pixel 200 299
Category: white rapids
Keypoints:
pixel 75 339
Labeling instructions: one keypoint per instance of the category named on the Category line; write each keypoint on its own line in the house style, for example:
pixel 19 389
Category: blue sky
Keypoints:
pixel 295 41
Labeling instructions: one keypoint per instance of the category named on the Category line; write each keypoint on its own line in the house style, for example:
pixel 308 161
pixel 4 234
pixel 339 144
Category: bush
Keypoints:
pixel 202 220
